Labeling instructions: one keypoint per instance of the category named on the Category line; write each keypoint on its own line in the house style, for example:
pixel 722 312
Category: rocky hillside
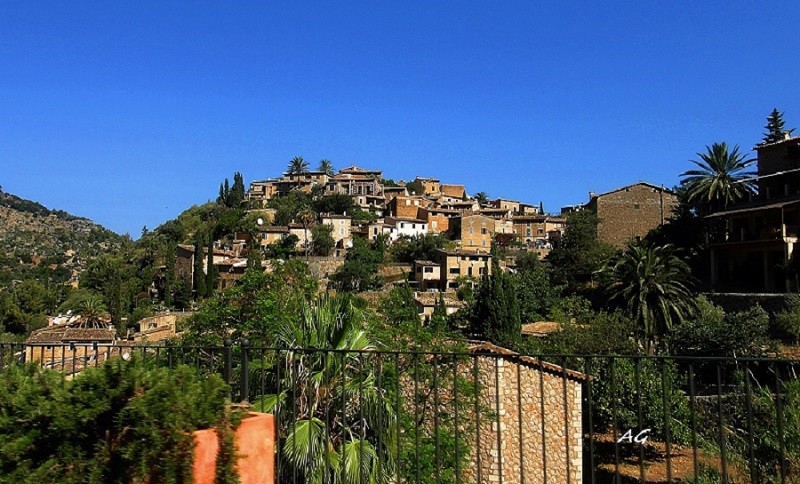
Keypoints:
pixel 36 242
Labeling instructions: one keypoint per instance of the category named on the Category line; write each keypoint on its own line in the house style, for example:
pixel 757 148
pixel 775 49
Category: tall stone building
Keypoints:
pixel 631 211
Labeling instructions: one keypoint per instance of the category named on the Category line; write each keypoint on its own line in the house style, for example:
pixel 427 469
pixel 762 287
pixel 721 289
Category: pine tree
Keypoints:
pixel 775 127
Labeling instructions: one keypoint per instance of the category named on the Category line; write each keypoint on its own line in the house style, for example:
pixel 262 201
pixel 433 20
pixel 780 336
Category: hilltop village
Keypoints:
pixel 472 225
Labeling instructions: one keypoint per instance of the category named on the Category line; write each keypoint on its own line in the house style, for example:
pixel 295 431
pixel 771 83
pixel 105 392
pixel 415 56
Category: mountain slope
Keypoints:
pixel 36 242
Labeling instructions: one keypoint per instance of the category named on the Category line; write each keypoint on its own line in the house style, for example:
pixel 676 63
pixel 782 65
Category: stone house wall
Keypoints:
pixel 631 212
pixel 530 427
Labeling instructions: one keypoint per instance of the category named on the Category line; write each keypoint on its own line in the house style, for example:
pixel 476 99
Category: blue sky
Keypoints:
pixel 130 112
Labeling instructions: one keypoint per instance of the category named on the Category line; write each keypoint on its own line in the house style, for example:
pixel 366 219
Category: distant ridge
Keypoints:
pixel 28 206
pixel 49 245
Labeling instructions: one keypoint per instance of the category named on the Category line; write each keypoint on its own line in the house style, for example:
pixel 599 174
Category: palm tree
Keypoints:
pixel 482 198
pixel 336 421
pixel 306 218
pixel 92 310
pixel 651 285
pixel 721 178
pixel 297 166
pixel 326 166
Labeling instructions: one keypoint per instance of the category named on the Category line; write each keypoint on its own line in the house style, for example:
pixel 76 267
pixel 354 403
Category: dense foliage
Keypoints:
pixel 119 423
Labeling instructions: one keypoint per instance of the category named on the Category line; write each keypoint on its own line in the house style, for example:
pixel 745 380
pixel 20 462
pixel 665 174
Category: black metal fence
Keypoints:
pixel 488 415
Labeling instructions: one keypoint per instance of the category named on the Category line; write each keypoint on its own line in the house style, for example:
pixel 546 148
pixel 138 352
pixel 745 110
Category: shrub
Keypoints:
pixel 121 422
pixel 622 398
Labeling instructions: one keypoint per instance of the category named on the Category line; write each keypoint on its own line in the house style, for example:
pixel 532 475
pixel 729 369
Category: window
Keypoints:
pixel 483 231
pixel 408 202
pixel 454 270
pixel 636 206
pixel 428 270
pixel 402 225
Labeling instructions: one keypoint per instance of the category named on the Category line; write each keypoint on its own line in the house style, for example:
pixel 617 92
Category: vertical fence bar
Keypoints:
pixel 262 377
pixel 228 357
pixel 436 418
pixel 293 363
pixel 381 406
pixel 614 419
pixel 721 422
pixel 779 417
pixel 497 410
pixel 456 427
pixel 544 425
pixel 245 388
pixel 417 417
pixel 326 381
pixel 399 412
pixel 519 422
pixel 279 410
pixel 477 390
pixel 361 423
pixel 749 409
pixel 640 413
pixel 693 417
pixel 666 403
pixel 566 418
pixel 590 404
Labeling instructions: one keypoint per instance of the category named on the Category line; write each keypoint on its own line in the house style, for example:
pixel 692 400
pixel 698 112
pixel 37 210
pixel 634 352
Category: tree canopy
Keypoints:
pixel 721 178
pixel 775 127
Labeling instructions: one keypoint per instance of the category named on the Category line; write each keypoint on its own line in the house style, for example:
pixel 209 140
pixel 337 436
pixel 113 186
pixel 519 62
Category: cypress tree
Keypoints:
pixel 439 316
pixel 169 277
pixel 237 191
pixel 496 314
pixel 210 266
pixel 199 275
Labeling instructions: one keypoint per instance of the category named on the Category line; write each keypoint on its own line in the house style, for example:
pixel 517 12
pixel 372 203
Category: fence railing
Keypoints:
pixel 489 415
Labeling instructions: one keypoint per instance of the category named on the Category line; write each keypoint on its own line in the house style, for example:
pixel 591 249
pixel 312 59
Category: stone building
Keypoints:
pixel 476 232
pixel 431 186
pixel 531 424
pixel 461 265
pixel 631 211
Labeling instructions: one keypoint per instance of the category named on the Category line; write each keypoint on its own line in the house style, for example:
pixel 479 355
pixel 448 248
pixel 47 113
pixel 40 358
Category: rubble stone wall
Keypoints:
pixel 530 426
